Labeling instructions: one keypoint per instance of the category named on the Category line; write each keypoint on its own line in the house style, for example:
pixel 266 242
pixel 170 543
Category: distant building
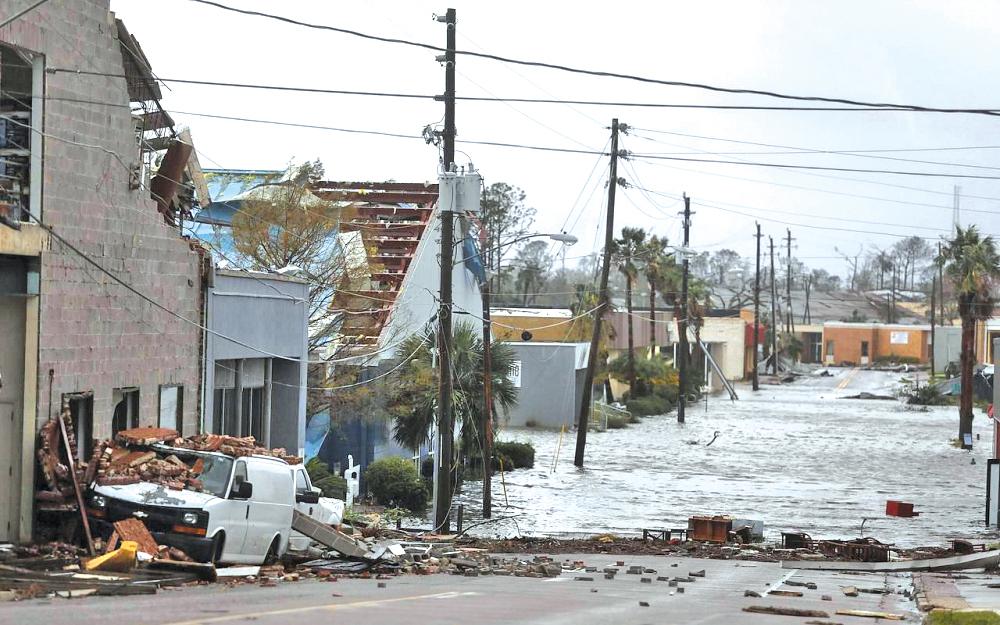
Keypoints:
pixel 533 324
pixel 550 382
pixel 257 357
pixel 866 343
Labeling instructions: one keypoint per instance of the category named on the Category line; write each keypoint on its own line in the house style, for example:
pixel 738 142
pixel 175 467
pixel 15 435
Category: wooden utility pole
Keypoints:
pixel 446 460
pixel 774 314
pixel 487 425
pixel 582 422
pixel 941 288
pixel 790 322
pixel 933 303
pixel 682 323
pixel 756 315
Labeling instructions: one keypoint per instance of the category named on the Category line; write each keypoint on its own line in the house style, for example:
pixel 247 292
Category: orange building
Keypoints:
pixel 864 343
pixel 554 325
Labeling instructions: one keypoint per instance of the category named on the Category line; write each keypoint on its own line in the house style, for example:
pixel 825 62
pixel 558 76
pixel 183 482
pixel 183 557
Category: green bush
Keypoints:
pixel 926 395
pixel 617 422
pixel 321 477
pixel 519 455
pixel 394 481
pixel 893 359
pixel 649 405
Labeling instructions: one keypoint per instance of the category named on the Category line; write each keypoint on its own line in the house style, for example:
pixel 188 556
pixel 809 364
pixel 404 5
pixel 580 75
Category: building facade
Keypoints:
pixel 550 381
pixel 257 355
pixel 866 343
pixel 74 158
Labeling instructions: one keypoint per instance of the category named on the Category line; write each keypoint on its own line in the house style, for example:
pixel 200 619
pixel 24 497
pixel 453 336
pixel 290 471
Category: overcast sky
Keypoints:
pixel 926 53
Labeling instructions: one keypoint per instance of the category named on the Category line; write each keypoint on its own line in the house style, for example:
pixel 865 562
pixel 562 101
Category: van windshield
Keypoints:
pixel 215 476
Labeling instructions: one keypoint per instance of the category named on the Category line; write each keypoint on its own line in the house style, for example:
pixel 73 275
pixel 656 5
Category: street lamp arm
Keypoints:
pixel 561 237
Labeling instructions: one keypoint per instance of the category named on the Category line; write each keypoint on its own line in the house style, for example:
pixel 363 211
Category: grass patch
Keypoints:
pixel 942 617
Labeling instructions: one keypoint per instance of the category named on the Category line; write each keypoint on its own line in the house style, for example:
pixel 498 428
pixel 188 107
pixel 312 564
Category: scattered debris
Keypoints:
pixel 768 609
pixel 785 593
pixel 889 616
pixel 900 509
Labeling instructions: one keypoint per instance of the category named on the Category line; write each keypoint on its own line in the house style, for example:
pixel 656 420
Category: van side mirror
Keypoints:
pixel 242 490
pixel 307 496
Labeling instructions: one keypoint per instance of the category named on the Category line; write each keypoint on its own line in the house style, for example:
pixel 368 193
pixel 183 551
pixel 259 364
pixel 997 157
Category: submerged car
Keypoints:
pixel 242 514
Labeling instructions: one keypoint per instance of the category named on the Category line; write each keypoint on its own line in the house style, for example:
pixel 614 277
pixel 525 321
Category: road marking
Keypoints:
pixel 781 581
pixel 848 378
pixel 330 606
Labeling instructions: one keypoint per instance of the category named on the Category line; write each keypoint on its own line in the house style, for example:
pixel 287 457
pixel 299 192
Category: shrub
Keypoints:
pixel 395 482
pixel 616 422
pixel 896 360
pixel 926 395
pixel 649 405
pixel 321 477
pixel 518 455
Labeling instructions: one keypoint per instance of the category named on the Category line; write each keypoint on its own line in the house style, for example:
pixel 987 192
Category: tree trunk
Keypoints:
pixel 968 361
pixel 652 319
pixel 631 338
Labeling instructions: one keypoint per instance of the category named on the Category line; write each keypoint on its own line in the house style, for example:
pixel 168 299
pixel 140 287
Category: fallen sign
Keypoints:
pixel 988 559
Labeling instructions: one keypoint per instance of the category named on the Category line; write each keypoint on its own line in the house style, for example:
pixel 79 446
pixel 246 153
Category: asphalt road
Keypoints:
pixel 718 598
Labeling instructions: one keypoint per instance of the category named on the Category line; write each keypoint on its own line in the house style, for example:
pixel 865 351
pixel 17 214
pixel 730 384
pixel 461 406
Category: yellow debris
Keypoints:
pixel 121 560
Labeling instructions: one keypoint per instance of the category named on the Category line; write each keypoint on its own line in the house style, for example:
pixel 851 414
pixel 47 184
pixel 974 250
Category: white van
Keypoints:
pixel 309 502
pixel 243 515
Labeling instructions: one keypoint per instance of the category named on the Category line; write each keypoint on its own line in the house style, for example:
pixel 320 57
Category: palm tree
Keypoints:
pixel 656 266
pixel 624 251
pixel 973 265
pixel 414 394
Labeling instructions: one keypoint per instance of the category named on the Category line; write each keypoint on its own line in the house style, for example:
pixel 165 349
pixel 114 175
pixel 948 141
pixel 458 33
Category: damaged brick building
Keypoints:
pixel 77 102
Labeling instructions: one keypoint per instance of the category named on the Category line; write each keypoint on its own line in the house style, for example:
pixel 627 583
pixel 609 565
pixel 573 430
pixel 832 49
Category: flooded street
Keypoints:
pixel 793 456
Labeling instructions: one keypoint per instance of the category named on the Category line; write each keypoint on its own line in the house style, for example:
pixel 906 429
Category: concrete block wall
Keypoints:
pixel 94 334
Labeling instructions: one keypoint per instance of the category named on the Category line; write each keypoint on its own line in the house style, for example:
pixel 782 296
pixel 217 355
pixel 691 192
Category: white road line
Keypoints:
pixel 776 585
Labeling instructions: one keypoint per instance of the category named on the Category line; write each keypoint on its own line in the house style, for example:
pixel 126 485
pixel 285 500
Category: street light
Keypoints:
pixel 561 237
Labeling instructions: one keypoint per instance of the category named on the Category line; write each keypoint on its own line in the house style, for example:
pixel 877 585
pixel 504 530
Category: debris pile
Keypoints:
pixel 142 454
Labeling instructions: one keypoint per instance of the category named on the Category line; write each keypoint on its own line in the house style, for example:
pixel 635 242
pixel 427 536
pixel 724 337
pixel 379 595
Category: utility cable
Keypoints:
pixel 598 73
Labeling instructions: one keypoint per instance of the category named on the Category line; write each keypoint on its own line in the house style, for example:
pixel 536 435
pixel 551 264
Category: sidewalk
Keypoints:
pixel 966 591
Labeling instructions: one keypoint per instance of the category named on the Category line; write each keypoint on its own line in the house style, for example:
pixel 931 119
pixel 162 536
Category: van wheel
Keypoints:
pixel 218 544
pixel 272 552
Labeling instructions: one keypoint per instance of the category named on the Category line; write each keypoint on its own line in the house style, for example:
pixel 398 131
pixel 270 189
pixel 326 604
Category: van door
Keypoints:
pixel 271 506
pixel 234 514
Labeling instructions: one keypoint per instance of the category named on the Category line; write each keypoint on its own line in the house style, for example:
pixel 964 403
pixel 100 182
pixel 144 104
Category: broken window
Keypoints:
pixel 253 413
pixel 126 415
pixel 171 405
pixel 16 91
pixel 81 410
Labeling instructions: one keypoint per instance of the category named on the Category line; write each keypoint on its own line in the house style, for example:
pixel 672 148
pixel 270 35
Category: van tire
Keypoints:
pixel 271 557
pixel 218 544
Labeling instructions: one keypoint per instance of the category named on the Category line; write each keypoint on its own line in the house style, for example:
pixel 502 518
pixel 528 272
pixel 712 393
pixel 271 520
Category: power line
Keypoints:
pixel 801 150
pixel 895 172
pixel 598 73
pixel 829 191
pixel 481 99
pixel 22 12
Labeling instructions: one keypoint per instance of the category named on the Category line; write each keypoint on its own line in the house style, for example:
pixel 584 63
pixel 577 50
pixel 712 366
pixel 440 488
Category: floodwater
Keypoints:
pixel 793 456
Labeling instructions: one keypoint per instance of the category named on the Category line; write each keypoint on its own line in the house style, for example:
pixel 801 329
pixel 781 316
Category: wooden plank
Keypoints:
pixel 889 616
pixel 781 611
pixel 76 486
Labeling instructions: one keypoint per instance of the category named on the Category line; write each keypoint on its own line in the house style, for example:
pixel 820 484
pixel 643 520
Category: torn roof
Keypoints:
pixel 141 82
